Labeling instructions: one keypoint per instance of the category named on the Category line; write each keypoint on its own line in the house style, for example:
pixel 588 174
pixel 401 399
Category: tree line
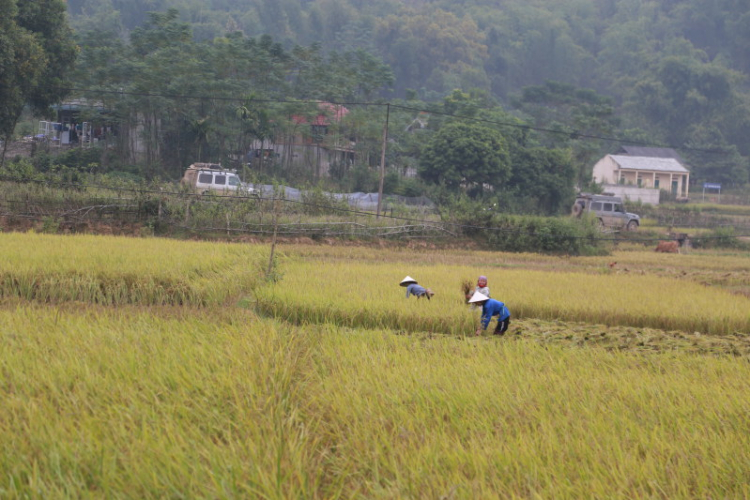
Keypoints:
pixel 520 101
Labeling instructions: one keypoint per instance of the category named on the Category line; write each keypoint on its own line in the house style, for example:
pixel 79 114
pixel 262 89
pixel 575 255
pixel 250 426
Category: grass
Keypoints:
pixel 100 403
pixel 710 208
pixel 632 256
pixel 367 295
pixel 118 271
pixel 130 396
pixel 148 403
pixel 503 420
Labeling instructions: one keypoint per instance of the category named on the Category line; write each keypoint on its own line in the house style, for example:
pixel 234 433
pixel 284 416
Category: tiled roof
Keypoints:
pixel 649 163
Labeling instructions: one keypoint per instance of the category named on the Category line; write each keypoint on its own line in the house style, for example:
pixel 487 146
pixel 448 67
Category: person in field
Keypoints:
pixel 412 288
pixel 490 308
pixel 481 288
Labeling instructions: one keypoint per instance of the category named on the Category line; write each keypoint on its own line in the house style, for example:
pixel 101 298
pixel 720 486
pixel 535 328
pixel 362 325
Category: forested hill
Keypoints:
pixel 675 69
pixel 498 45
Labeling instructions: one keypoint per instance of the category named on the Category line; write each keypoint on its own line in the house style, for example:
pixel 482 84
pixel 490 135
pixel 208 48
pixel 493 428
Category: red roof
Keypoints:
pixel 329 110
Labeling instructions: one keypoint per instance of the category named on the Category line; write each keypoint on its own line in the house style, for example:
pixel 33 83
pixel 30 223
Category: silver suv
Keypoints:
pixel 608 209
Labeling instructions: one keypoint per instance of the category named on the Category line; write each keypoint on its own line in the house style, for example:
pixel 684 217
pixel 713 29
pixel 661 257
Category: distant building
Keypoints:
pixel 71 129
pixel 315 142
pixel 420 122
pixel 662 170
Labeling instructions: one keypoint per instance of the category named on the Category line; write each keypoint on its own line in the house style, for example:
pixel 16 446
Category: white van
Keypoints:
pixel 205 177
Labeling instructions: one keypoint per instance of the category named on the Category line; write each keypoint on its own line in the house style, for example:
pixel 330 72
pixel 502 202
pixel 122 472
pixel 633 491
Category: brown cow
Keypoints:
pixel 668 247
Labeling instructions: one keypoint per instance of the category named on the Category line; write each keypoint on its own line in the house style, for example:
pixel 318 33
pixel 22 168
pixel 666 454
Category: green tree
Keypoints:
pixel 36 51
pixel 423 47
pixel 574 117
pixel 257 123
pixel 530 43
pixel 466 155
pixel 713 160
pixel 337 76
pixel 543 178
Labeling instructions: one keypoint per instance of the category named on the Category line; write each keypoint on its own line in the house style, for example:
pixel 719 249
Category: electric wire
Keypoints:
pixel 570 133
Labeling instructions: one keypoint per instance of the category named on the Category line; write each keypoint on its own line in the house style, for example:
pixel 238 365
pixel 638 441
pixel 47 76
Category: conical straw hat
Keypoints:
pixel 407 281
pixel 478 297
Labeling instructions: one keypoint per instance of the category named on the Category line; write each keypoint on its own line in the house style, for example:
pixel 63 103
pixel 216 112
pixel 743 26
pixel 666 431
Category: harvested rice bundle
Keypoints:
pixel 467 286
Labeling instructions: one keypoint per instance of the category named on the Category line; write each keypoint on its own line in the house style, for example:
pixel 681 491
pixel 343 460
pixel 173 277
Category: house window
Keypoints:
pixel 639 180
pixel 267 153
pixel 656 183
pixel 319 130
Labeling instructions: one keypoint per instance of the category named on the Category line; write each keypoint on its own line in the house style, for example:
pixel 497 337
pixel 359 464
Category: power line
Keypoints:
pixel 572 133
pixel 562 132
pixel 219 98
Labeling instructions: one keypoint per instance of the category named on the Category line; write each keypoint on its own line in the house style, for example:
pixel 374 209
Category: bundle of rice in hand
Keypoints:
pixel 467 286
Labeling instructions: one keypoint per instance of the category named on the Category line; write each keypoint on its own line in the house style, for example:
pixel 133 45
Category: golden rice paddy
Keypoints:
pixel 329 383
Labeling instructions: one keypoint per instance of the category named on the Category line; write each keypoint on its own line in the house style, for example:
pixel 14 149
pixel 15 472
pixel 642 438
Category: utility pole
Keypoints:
pixel 275 232
pixel 382 157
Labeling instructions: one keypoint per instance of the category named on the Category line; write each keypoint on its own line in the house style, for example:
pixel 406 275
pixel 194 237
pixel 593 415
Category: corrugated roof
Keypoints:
pixel 649 163
pixel 78 104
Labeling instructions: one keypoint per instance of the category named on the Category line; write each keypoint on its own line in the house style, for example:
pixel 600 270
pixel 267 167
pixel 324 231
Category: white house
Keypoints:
pixel 666 174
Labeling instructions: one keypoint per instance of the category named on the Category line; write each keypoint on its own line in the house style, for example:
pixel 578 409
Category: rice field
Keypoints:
pixel 329 383
pixel 367 295
pixel 117 271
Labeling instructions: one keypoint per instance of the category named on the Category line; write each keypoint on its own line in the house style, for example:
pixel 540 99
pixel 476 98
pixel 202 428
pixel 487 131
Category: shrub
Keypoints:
pixel 20 169
pixel 524 233
pixel 554 235
pixel 318 202
pixel 721 237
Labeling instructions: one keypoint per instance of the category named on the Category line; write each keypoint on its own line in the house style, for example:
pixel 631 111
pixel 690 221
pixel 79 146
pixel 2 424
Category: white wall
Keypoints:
pixel 633 193
pixel 604 171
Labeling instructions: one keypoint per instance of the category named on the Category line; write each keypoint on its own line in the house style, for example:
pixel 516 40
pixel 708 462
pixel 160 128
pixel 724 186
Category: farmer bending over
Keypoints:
pixel 412 288
pixel 490 308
